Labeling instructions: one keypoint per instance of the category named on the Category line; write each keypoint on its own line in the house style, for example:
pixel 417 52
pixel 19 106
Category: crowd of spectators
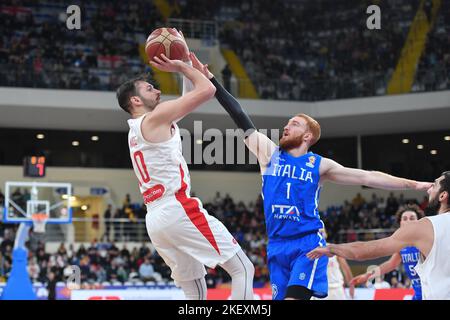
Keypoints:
pixel 291 49
pixel 38 50
pixel 433 71
pixel 349 222
pixel 296 49
pixel 104 261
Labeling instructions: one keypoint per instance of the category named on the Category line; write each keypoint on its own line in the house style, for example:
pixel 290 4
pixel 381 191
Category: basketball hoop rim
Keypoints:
pixel 39 221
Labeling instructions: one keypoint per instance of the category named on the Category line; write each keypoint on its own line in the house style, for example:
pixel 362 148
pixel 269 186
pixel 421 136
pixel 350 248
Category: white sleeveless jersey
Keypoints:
pixel 334 273
pixel 434 272
pixel 160 167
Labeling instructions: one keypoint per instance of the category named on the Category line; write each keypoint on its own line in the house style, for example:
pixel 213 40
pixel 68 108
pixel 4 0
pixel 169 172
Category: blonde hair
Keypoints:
pixel 313 126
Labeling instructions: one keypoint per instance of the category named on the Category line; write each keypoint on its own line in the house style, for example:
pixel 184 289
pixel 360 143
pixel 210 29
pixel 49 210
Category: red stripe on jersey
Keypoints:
pixel 192 210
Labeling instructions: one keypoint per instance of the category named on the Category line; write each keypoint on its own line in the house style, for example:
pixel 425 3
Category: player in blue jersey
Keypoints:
pixel 408 256
pixel 292 178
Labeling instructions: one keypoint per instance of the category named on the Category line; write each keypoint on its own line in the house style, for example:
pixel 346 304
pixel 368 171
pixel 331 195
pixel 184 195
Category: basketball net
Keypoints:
pixel 39 221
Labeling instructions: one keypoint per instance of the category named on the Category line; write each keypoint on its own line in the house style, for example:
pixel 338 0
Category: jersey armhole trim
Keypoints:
pixel 141 136
pixel 433 247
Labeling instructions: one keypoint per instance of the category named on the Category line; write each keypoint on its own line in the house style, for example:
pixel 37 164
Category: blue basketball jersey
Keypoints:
pixel 410 257
pixel 291 191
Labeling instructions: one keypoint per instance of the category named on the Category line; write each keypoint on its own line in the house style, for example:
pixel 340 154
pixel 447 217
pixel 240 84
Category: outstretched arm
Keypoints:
pixel 259 144
pixel 334 172
pixel 419 234
pixel 228 102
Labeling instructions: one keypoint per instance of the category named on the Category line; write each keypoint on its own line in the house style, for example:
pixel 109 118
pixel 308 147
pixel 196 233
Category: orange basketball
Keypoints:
pixel 167 41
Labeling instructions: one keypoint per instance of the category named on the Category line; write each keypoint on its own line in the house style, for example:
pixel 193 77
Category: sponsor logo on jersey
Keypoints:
pixel 133 142
pixel 153 193
pixel 285 209
pixel 285 212
pixel 312 161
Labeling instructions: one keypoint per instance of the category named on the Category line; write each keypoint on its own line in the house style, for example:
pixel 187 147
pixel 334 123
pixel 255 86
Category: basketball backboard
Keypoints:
pixel 23 200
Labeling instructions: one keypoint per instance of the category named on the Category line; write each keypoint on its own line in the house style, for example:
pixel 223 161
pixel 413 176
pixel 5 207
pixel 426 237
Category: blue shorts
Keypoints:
pixel 417 293
pixel 289 266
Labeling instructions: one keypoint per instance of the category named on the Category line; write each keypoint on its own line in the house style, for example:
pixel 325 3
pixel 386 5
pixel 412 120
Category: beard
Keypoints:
pixel 432 208
pixel 288 143
pixel 149 103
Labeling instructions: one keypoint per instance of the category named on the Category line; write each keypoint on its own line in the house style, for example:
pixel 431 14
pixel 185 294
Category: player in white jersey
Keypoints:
pixel 183 233
pixel 431 235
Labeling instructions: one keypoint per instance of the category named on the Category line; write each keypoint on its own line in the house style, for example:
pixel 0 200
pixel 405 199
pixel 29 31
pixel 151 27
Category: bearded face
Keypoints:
pixel 288 142
pixel 433 207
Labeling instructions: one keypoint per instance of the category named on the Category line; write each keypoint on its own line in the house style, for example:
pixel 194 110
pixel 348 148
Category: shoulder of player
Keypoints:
pixel 416 233
pixel 326 165
pixel 153 120
pixel 154 130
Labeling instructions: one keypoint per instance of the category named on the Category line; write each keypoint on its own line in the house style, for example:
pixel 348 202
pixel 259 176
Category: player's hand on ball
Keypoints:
pixel 319 252
pixel 203 68
pixel 165 64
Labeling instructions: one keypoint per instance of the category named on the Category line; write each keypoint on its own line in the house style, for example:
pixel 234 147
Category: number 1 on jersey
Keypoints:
pixel 138 158
pixel 288 190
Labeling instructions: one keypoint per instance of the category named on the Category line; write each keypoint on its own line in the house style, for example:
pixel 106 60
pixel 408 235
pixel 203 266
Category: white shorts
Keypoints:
pixel 337 293
pixel 187 237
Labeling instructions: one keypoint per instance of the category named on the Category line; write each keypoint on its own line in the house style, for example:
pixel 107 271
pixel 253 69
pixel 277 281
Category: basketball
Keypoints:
pixel 168 41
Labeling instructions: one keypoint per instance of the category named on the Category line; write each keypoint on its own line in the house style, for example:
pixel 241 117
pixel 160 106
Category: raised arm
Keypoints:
pixel 419 234
pixel 170 111
pixel 262 147
pixel 259 144
pixel 334 172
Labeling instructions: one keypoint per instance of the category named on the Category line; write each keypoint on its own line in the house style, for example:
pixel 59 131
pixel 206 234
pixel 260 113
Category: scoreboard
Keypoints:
pixel 34 166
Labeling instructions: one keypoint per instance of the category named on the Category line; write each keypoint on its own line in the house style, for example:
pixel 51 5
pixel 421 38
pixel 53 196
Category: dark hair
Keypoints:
pixel 409 207
pixel 445 184
pixel 127 90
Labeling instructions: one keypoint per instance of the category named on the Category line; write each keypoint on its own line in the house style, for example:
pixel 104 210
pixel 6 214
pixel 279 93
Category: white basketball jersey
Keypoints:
pixel 434 272
pixel 159 167
pixel 334 273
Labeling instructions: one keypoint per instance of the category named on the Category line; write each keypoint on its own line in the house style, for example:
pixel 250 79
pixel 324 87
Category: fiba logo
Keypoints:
pixel 274 291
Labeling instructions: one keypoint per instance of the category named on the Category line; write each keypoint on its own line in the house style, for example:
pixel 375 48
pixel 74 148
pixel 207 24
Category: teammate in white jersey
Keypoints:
pixel 183 233
pixel 431 235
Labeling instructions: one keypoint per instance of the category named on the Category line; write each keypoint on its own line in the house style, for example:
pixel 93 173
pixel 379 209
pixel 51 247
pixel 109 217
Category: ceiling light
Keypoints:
pixel 405 141
pixel 94 138
pixel 420 146
pixel 75 143
pixel 40 136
